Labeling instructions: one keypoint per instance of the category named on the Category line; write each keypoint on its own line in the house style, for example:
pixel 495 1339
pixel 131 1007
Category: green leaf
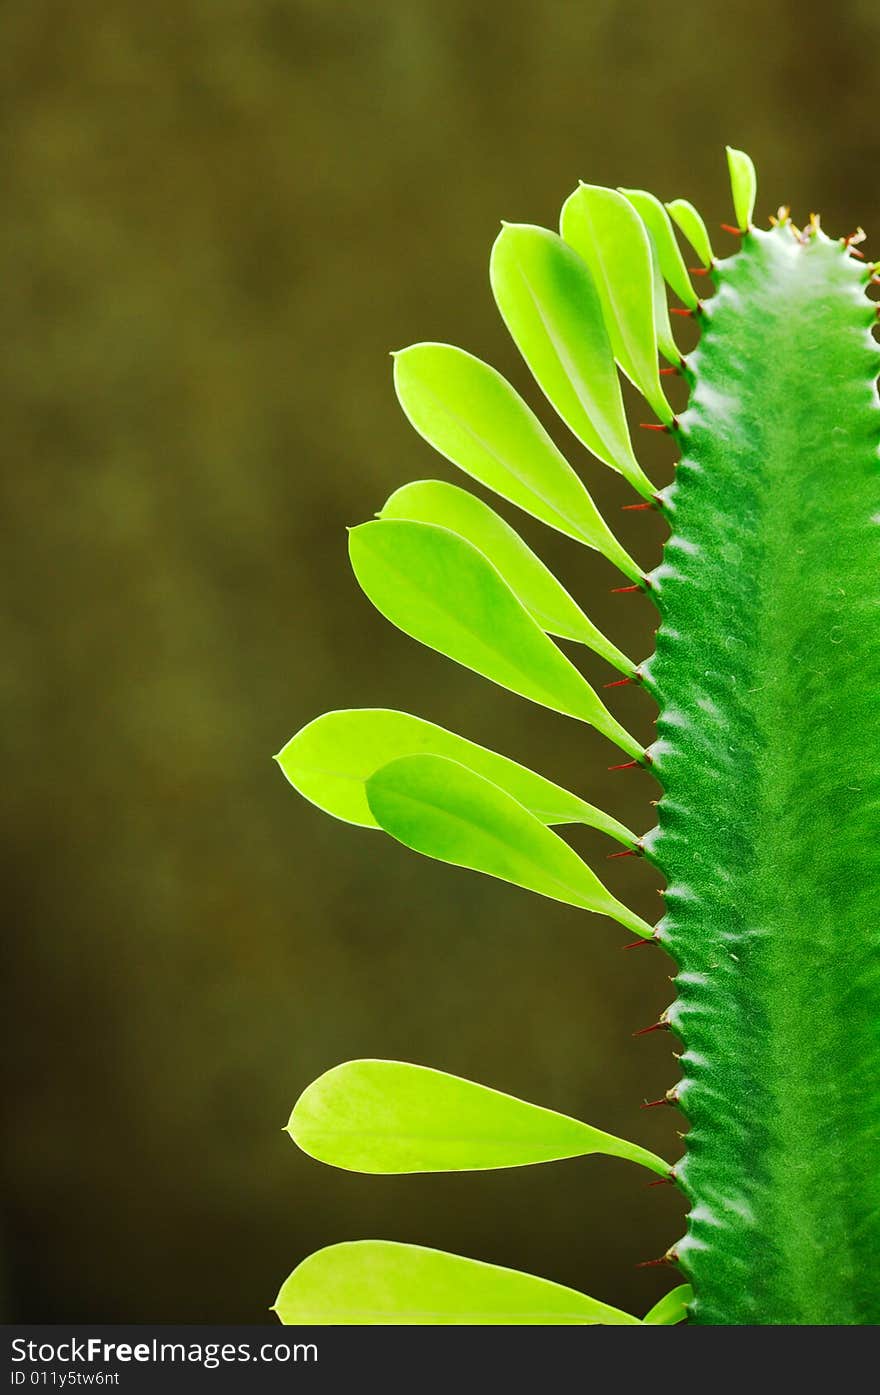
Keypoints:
pixel 470 414
pixel 744 186
pixel 438 588
pixel 686 217
pixel 389 1117
pixel 604 228
pixel 545 598
pixel 330 760
pixel 671 1309
pixel 550 304
pixel 445 811
pixel 381 1282
pixel 665 340
pixel 659 226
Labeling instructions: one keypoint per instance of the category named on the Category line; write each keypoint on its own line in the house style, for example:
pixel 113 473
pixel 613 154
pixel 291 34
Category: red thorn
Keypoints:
pixel 663 1181
pixel 655 1027
pixel 650 1263
pixel 624 590
pixel 627 765
pixel 854 252
pixel 628 852
pixel 728 227
pixel 653 426
pixel 680 310
pixel 617 683
pixel 654 1104
pixel 631 508
pixel 645 940
pixel 699 270
pixel 874 281
pixel 667 372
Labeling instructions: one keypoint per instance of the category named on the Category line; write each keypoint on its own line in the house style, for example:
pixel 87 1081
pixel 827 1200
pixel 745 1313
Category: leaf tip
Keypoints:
pixel 743 183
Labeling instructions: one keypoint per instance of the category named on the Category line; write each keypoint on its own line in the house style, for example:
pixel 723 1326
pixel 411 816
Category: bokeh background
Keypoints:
pixel 219 217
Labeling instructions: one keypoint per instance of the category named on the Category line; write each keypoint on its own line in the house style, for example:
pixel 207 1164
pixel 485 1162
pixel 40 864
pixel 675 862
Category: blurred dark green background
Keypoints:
pixel 219 217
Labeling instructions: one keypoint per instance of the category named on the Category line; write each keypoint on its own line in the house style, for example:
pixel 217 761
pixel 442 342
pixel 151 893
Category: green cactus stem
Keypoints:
pixel 768 676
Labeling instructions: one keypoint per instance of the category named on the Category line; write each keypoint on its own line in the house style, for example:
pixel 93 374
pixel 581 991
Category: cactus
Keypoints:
pixel 766 675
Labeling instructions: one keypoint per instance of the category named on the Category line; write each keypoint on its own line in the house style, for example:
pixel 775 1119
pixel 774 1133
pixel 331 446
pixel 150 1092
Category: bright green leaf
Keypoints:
pixel 470 414
pixel 373 1282
pixel 607 232
pixel 686 217
pixel 545 598
pixel 438 588
pixel 657 221
pixel 671 1309
pixel 445 811
pixel 744 186
pixel 665 340
pixel 330 760
pixel 389 1116
pixel 550 304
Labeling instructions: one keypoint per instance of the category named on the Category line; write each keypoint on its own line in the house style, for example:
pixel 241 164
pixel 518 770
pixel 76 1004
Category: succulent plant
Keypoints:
pixel 767 678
